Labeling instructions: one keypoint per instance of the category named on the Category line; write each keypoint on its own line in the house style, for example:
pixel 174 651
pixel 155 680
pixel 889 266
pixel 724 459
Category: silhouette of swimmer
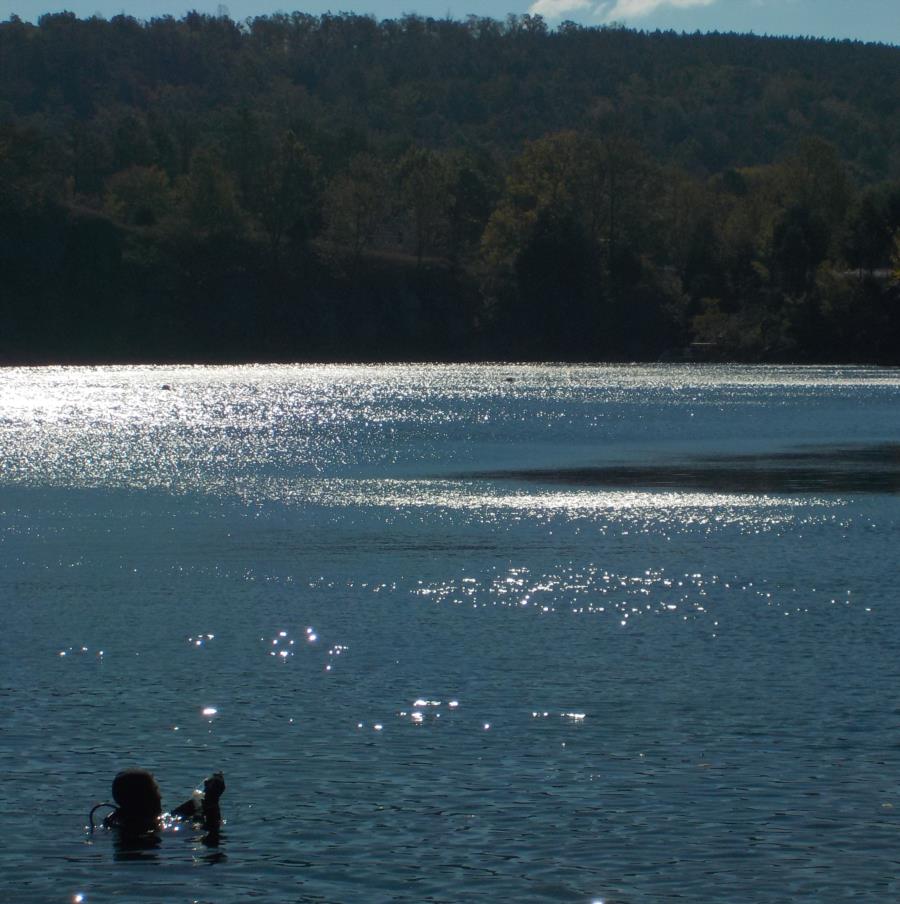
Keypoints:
pixel 138 804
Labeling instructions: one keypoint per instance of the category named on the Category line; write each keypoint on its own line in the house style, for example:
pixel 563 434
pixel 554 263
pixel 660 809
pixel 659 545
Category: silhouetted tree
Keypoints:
pixel 209 195
pixel 423 182
pixel 287 199
pixel 355 204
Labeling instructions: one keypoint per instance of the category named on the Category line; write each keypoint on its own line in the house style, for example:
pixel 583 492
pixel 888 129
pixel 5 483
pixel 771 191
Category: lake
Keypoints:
pixel 501 633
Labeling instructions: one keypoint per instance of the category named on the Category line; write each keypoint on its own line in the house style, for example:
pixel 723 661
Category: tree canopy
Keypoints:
pixel 303 187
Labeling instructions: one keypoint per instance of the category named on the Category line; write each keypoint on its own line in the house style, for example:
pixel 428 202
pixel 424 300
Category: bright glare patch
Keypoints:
pixel 210 711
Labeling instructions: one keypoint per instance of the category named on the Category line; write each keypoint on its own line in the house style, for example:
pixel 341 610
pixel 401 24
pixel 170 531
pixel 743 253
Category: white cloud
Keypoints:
pixel 556 9
pixel 609 10
pixel 635 9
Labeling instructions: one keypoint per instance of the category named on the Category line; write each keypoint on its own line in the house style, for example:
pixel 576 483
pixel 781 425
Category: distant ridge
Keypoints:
pixel 298 186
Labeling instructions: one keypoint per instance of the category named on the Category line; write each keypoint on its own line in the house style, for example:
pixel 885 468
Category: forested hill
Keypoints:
pixel 298 187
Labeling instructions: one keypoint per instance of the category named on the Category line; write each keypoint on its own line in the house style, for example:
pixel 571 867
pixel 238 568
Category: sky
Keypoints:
pixel 865 20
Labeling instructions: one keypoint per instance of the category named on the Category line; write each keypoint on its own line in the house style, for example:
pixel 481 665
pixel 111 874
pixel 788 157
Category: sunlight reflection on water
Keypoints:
pixel 452 637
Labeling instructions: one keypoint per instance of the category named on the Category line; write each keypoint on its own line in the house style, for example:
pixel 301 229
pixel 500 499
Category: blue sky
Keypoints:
pixel 867 20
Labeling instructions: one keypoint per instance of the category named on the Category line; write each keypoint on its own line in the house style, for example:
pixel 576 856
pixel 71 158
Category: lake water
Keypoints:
pixel 507 633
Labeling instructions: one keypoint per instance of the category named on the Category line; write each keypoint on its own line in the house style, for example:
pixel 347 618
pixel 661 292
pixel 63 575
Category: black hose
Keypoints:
pixel 94 810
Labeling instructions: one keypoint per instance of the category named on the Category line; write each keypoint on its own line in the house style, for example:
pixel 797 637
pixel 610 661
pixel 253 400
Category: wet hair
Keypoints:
pixel 137 795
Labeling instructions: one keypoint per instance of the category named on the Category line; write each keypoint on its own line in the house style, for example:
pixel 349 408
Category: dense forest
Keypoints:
pixel 299 187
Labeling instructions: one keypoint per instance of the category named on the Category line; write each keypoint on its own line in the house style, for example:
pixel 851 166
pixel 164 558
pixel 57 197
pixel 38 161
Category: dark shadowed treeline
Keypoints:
pixel 297 187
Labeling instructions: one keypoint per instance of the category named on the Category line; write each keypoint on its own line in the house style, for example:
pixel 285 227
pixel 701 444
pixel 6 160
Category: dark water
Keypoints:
pixel 854 469
pixel 620 634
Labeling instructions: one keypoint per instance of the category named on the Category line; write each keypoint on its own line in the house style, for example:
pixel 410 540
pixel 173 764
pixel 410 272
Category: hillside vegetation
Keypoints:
pixel 296 188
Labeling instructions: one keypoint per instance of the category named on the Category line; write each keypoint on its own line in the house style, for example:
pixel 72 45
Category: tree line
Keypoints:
pixel 295 187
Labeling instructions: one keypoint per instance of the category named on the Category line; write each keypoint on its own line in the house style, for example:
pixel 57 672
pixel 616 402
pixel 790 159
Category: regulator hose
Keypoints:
pixel 96 808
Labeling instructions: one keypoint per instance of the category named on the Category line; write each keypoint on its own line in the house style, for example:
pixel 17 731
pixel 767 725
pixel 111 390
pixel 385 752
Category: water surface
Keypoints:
pixel 502 633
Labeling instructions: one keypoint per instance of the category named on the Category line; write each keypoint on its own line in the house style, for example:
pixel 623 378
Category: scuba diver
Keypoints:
pixel 138 808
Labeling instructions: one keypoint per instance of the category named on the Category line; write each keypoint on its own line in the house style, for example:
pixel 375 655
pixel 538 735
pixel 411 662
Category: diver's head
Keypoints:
pixel 137 794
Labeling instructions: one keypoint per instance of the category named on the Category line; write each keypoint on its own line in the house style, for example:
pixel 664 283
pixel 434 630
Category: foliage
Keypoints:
pixel 194 188
pixel 355 205
pixel 138 196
